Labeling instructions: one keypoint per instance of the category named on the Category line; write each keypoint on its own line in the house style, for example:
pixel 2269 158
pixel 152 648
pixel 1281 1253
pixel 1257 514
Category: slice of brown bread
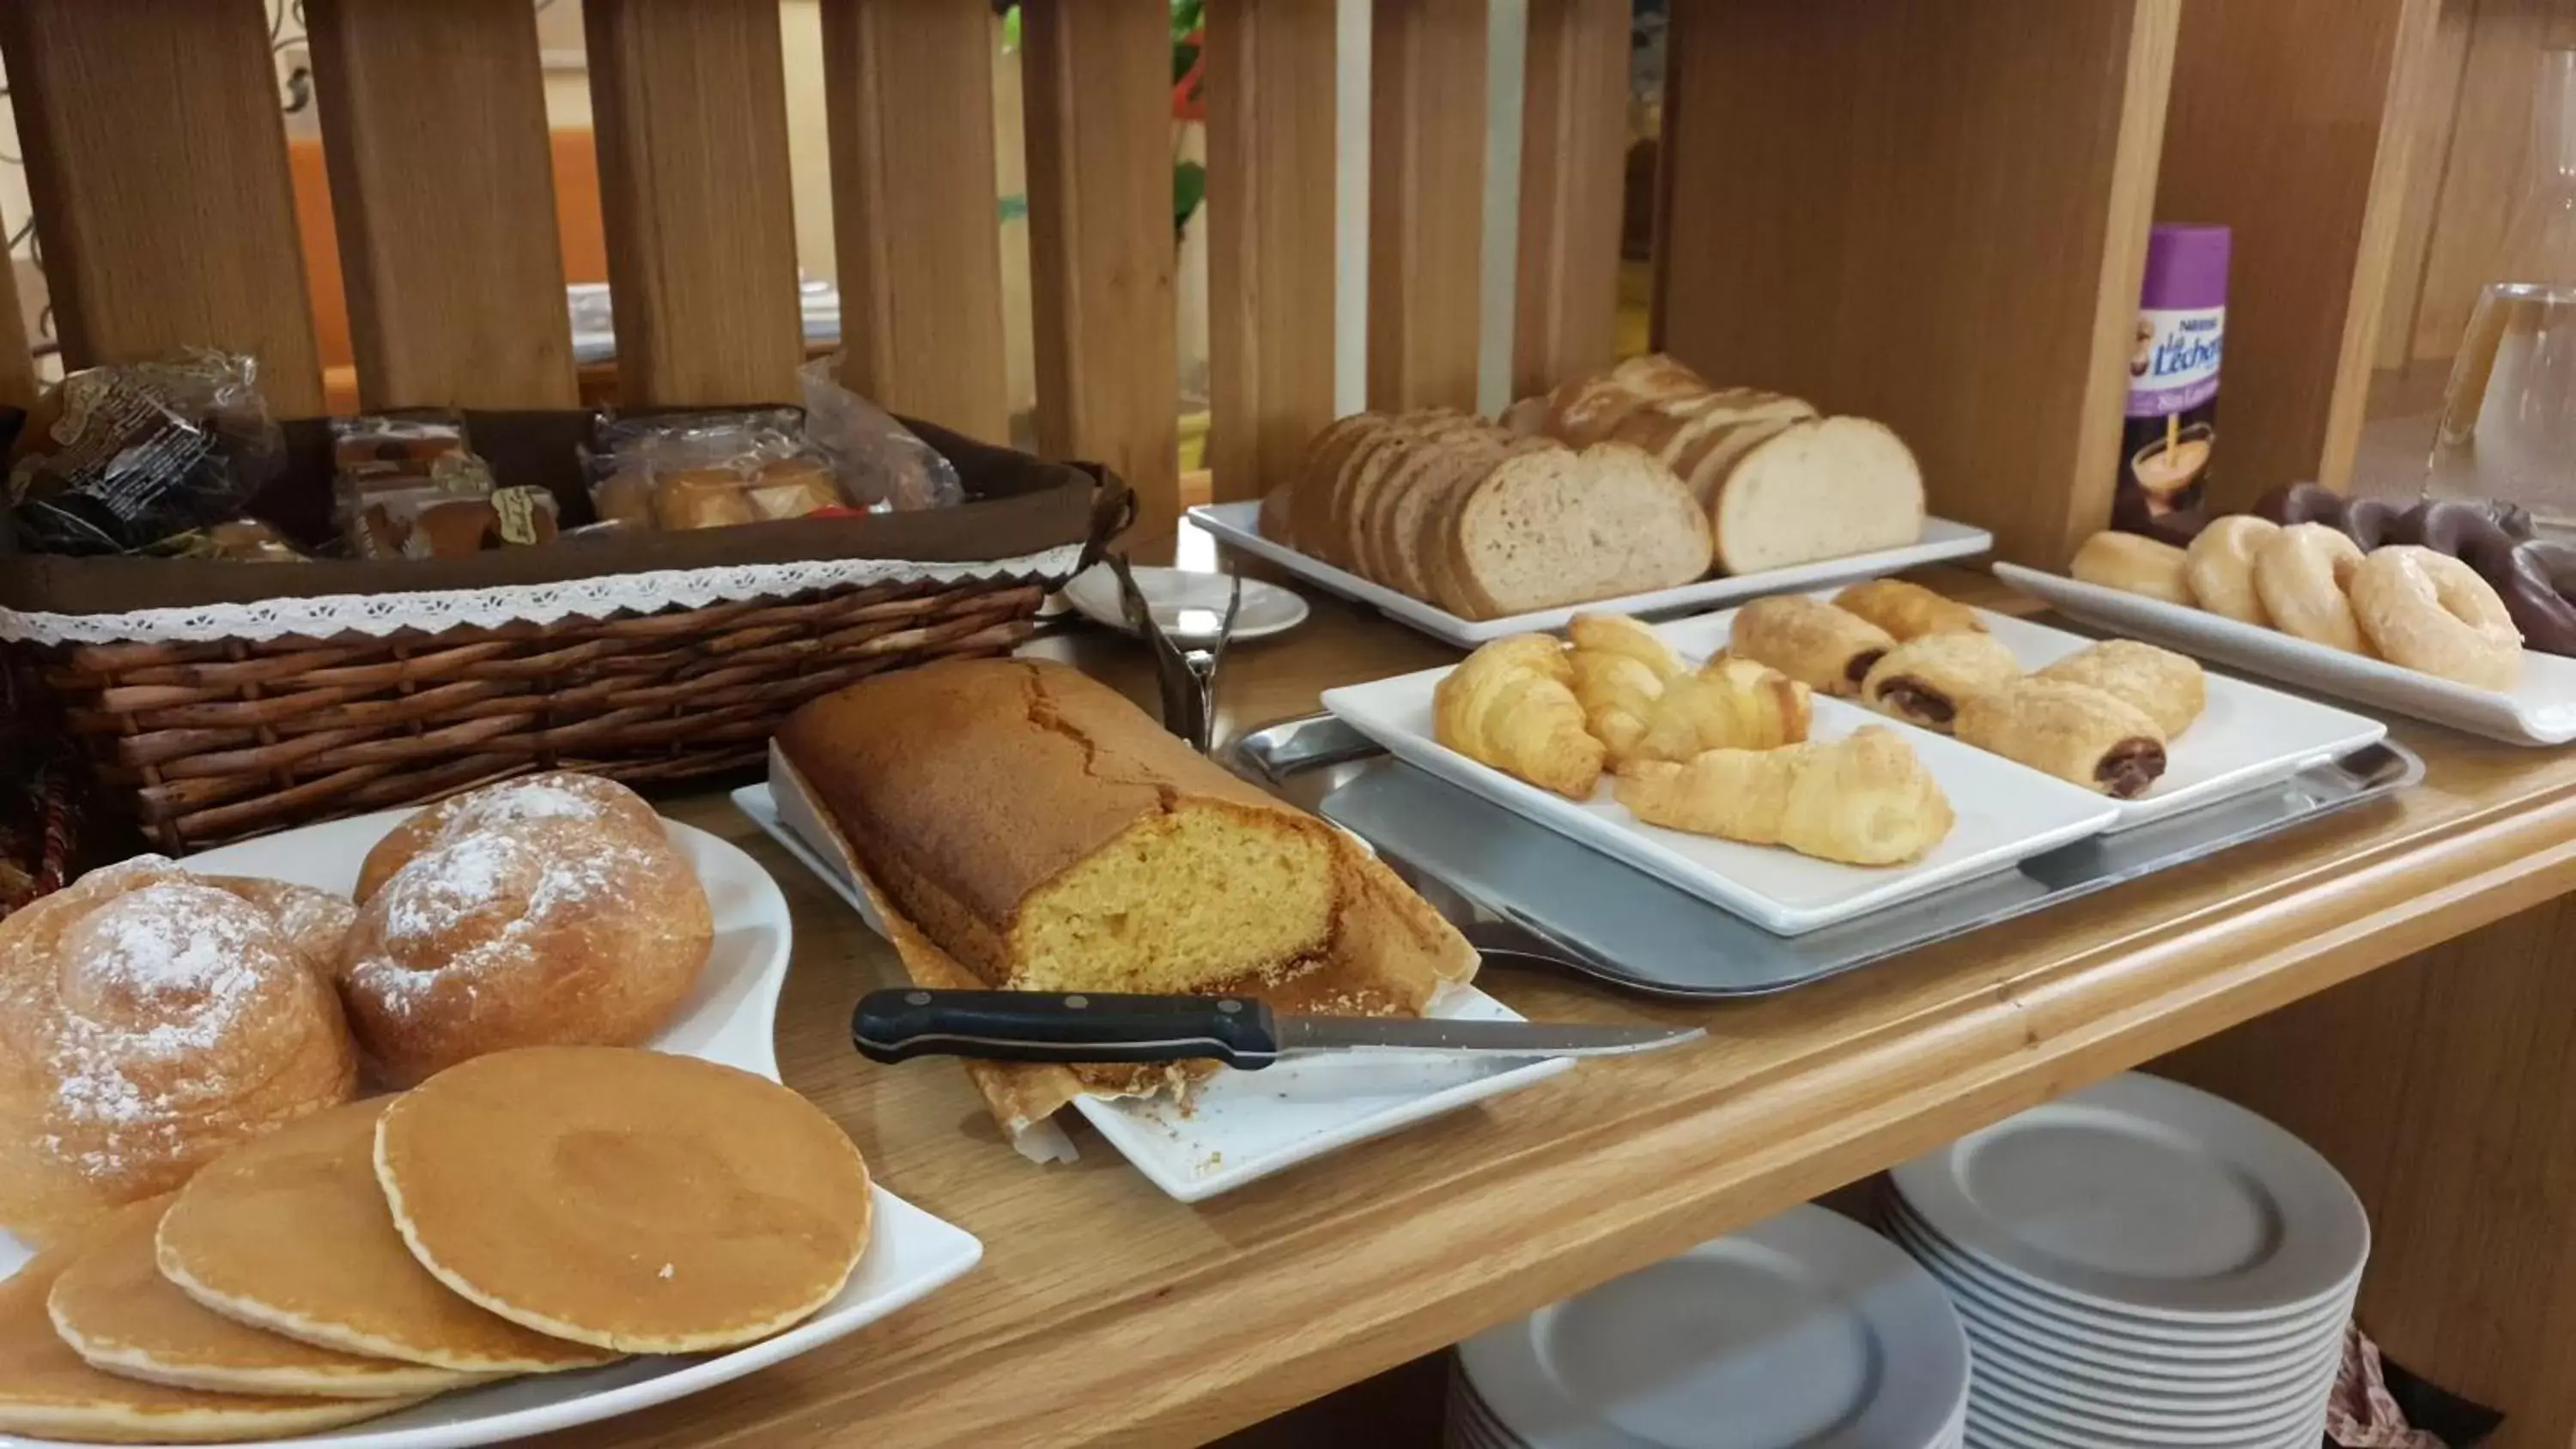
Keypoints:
pixel 1368 453
pixel 1272 521
pixel 1443 441
pixel 1326 458
pixel 1544 530
pixel 1427 428
pixel 1825 488
pixel 1400 523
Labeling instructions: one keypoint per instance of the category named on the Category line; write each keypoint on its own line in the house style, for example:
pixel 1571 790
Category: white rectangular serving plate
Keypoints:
pixel 1238 1127
pixel 731 1018
pixel 2246 737
pixel 2006 814
pixel 2540 711
pixel 1239 524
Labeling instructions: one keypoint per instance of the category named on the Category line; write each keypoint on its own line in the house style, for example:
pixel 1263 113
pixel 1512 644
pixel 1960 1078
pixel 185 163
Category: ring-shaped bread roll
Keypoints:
pixel 2429 611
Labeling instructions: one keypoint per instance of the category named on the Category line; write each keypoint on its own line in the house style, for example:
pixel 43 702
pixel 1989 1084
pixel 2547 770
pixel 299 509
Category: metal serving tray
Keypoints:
pixel 1515 885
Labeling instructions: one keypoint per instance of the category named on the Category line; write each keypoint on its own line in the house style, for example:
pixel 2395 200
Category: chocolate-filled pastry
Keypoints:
pixel 1811 641
pixel 2072 731
pixel 1908 611
pixel 2538 583
pixel 1924 681
pixel 2164 686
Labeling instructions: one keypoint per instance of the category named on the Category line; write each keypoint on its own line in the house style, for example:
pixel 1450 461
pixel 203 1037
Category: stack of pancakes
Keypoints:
pixel 529 1212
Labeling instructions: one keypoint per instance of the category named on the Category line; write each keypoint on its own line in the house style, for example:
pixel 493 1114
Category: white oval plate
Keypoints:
pixel 731 1018
pixel 2144 1197
pixel 1807 1329
pixel 1189 605
pixel 2540 711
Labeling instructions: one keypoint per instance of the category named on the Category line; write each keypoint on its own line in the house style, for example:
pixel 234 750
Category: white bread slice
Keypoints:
pixel 1706 462
pixel 1589 410
pixel 1544 529
pixel 1670 429
pixel 1398 525
pixel 1819 489
pixel 1436 558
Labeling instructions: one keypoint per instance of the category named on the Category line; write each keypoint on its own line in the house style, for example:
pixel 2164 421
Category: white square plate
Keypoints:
pixel 2541 711
pixel 1239 524
pixel 1242 1126
pixel 730 1018
pixel 2006 814
pixel 2246 737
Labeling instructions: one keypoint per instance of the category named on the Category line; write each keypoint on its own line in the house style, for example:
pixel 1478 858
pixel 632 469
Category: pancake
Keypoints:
pixel 46 1391
pixel 624 1198
pixel 290 1234
pixel 114 1309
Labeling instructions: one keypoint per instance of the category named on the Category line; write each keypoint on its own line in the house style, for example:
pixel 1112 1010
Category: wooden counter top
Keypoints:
pixel 1106 1313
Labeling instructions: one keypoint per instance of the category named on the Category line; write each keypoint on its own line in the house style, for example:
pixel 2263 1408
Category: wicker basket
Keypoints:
pixel 209 741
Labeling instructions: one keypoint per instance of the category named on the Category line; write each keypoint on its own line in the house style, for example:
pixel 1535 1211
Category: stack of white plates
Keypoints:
pixel 2140 1266
pixel 1807 1332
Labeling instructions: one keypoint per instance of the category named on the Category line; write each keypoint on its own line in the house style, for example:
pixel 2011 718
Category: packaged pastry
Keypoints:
pixel 119 457
pixel 879 463
pixel 236 540
pixel 709 470
pixel 411 486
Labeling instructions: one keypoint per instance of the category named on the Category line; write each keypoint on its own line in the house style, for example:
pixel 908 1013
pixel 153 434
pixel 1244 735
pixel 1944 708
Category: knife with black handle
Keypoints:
pixel 1240 1031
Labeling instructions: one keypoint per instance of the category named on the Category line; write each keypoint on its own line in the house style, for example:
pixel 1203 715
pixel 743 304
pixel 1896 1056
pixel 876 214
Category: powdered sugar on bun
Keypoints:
pixel 557 795
pixel 548 930
pixel 149 1021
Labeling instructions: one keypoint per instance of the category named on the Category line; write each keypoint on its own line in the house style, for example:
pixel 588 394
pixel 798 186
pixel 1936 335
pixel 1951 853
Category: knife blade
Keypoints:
pixel 1240 1031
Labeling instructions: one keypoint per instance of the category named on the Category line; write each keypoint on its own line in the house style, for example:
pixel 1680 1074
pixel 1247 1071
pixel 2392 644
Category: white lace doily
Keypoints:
pixel 432 611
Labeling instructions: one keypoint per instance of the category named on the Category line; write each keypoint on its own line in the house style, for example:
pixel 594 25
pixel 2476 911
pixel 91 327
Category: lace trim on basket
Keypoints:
pixel 436 610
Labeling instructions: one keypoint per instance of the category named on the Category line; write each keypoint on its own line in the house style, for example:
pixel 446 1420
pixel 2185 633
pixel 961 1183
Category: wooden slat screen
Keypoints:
pixel 910 93
pixel 1098 75
pixel 158 171
pixel 164 205
pixel 442 184
pixel 690 99
pixel 1271 81
pixel 1426 202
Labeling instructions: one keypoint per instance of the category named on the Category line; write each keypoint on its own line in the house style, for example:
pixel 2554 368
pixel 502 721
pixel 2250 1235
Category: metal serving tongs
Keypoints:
pixel 1187 675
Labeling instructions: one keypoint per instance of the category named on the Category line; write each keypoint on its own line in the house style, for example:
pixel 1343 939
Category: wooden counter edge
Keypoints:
pixel 1226 1349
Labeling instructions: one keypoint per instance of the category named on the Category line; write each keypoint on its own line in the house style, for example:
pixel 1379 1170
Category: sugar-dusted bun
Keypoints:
pixel 149 1022
pixel 557 794
pixel 534 932
pixel 315 922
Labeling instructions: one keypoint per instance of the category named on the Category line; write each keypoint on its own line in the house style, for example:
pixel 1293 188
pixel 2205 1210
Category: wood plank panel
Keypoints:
pixel 2288 125
pixel 909 92
pixel 1271 83
pixel 156 160
pixel 1102 246
pixel 442 187
pixel 18 384
pixel 1949 208
pixel 2444 1088
pixel 1574 149
pixel 2435 108
pixel 689 98
pixel 1426 202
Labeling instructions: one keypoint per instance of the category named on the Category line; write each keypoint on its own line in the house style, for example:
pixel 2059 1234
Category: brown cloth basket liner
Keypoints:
pixel 217 741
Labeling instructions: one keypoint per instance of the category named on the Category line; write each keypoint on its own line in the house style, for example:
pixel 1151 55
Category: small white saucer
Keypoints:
pixel 1189 605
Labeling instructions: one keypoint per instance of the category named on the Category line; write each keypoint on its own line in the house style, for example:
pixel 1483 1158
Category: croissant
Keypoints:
pixel 1618 693
pixel 1863 800
pixel 1619 634
pixel 149 1020
pixel 1733 704
pixel 1511 705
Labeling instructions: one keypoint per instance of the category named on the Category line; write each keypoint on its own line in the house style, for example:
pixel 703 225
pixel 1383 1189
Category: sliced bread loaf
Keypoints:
pixel 1824 488
pixel 1327 458
pixel 1428 436
pixel 1672 428
pixel 1553 527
